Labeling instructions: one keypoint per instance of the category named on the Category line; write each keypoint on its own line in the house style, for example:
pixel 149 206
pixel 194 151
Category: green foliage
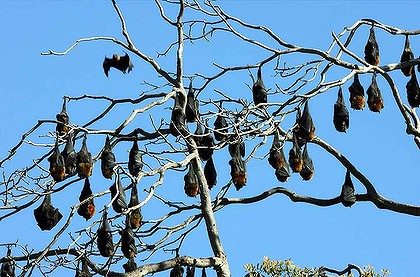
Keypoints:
pixel 286 268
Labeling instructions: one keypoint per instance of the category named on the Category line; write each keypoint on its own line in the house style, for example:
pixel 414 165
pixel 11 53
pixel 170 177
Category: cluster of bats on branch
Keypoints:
pixel 68 162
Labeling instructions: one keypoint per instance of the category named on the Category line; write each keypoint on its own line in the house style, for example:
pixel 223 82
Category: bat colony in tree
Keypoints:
pixel 186 109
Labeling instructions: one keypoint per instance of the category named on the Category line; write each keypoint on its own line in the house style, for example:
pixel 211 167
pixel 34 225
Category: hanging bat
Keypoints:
pixel 308 167
pixel 190 271
pixel 85 270
pixel 259 93
pixel 128 245
pixel 203 272
pixel 46 215
pixel 357 94
pixel 84 161
pixel 119 204
pixel 347 192
pixel 295 156
pixel 191 183
pixel 406 56
pixel 107 160
pixel 135 160
pixel 372 49
pixel 130 265
pixel 276 157
pixel 306 127
pixel 86 210
pixel 123 63
pixel 135 215
pixel 70 157
pixel 178 120
pixel 220 124
pixel 198 134
pixel 210 173
pixel 283 173
pixel 104 237
pixel 205 149
pixel 57 164
pixel 413 91
pixel 62 126
pixel 341 114
pixel 8 268
pixel 236 147
pixel 375 101
pixel 192 109
pixel 238 171
pixel 177 271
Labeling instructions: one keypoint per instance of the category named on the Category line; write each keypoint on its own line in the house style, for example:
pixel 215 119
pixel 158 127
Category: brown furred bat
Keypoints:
pixel 178 120
pixel 295 156
pixel 375 100
pixel 177 271
pixel 347 192
pixel 62 127
pixel 372 49
pixel 406 56
pixel 123 63
pixel 135 160
pixel 107 160
pixel 86 210
pixel 84 161
pixel 191 183
pixel 192 109
pixel 46 215
pixel 276 157
pixel 259 92
pixel 205 147
pixel 128 245
pixel 308 167
pixel 104 239
pixel 357 94
pixel 57 164
pixel 220 128
pixel 413 91
pixel 238 171
pixel 283 173
pixel 135 215
pixel 70 157
pixel 341 114
pixel 119 204
pixel 210 173
pixel 306 127
pixel 236 147
pixel 130 265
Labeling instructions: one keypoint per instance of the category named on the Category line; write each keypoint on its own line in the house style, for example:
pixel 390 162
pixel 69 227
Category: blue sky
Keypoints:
pixel 32 88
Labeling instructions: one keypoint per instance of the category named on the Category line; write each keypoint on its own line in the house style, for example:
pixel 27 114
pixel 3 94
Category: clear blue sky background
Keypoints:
pixel 32 87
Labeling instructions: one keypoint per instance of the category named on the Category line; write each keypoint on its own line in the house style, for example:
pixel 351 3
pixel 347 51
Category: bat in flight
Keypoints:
pixel 123 63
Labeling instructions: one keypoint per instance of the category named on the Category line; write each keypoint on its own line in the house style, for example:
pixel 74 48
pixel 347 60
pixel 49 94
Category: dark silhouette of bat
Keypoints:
pixel 276 156
pixel 205 149
pixel 192 109
pixel 86 210
pixel 104 239
pixel 119 204
pixel 210 173
pixel 107 160
pixel 198 134
pixel 341 114
pixel 84 161
pixel 283 173
pixel 347 192
pixel 135 160
pixel 190 271
pixel 178 120
pixel 357 94
pixel 135 215
pixel 8 267
pixel 236 147
pixel 128 245
pixel 413 91
pixel 406 56
pixel 177 271
pixel 372 49
pixel 130 265
pixel 46 215
pixel 123 63
pixel 306 127
pixel 63 119
pixel 308 167
pixel 85 270
pixel 238 171
pixel 295 156
pixel 220 128
pixel 70 157
pixel 191 183
pixel 57 164
pixel 375 100
pixel 203 272
pixel 259 92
